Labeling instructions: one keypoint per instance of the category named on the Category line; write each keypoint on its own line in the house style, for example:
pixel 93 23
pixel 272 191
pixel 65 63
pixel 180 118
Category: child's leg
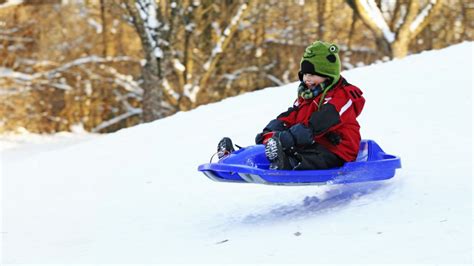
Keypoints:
pixel 278 158
pixel 317 157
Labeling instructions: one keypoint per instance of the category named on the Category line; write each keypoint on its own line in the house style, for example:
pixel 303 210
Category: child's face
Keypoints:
pixel 312 80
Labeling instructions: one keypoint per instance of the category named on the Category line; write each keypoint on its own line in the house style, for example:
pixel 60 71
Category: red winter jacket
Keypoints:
pixel 337 113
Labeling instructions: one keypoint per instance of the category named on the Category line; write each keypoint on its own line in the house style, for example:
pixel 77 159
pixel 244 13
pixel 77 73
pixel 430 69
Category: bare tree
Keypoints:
pixel 394 41
pixel 104 65
pixel 192 63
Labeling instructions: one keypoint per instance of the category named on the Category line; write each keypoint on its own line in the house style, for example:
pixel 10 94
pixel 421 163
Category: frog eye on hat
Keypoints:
pixel 333 48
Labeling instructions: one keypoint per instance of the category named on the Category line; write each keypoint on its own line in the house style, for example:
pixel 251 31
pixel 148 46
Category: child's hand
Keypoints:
pixel 274 125
pixel 286 139
pixel 303 135
pixel 298 134
pixel 259 138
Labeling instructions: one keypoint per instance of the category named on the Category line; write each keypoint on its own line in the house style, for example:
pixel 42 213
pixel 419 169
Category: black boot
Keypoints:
pixel 225 147
pixel 276 155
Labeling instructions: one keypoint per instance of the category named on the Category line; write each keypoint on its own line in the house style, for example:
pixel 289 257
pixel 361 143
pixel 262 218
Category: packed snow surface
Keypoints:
pixel 135 196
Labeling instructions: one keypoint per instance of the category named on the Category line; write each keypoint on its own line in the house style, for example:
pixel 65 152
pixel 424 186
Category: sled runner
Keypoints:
pixel 249 165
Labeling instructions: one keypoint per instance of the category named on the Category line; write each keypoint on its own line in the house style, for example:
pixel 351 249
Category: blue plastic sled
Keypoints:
pixel 249 165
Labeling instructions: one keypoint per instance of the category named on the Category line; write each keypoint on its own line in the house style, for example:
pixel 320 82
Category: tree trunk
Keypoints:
pixel 400 48
pixel 152 79
pixel 352 30
pixel 324 8
pixel 152 93
pixel 104 27
pixel 383 46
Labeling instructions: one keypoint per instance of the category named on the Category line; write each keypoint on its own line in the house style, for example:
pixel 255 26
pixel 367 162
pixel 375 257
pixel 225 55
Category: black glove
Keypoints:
pixel 259 138
pixel 302 135
pixel 274 125
pixel 333 137
pixel 286 139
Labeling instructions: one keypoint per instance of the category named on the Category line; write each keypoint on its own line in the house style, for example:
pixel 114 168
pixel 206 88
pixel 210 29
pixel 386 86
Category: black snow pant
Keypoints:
pixel 313 157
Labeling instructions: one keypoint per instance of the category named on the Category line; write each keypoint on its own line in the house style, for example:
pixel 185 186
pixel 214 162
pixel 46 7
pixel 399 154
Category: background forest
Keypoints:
pixel 102 65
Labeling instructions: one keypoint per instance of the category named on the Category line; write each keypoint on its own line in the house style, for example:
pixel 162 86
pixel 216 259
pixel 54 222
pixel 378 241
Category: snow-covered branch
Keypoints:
pixel 372 12
pixel 231 77
pixel 15 39
pixel 123 86
pixel 221 45
pixel 53 77
pixel 234 75
pixel 125 81
pixel 12 74
pixel 423 14
pixel 169 91
pixel 409 24
pixel 275 80
pixel 88 60
pixel 221 42
pixel 191 91
pixel 117 119
pixel 130 111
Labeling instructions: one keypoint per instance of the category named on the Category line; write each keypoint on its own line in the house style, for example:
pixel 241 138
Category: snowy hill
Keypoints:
pixel 135 196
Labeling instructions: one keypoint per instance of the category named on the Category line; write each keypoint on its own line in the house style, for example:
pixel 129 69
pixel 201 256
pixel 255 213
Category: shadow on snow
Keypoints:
pixel 334 198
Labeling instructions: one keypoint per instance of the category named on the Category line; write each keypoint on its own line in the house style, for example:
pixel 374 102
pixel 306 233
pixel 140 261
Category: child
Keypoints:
pixel 320 130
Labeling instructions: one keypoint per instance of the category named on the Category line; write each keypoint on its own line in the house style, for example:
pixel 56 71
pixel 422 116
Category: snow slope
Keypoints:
pixel 135 196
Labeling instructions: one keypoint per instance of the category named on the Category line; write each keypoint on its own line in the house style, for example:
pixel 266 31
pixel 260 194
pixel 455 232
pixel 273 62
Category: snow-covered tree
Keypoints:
pixel 50 82
pixel 153 33
pixel 172 35
pixel 395 24
pixel 109 64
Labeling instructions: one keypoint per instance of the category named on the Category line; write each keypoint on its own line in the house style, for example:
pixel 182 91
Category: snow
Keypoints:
pixel 96 25
pixel 178 65
pixel 9 73
pixel 63 86
pixel 387 7
pixel 147 10
pixel 222 38
pixel 190 27
pixel 158 53
pixel 17 147
pixel 135 196
pixel 87 60
pixel 191 91
pixel 169 90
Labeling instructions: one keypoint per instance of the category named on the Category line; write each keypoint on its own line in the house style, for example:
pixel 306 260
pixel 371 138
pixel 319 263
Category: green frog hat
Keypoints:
pixel 322 59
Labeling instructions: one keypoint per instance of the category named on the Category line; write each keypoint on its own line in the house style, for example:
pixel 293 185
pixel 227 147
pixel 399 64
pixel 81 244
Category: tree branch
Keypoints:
pixel 404 30
pixel 373 18
pixel 432 9
pixel 221 46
